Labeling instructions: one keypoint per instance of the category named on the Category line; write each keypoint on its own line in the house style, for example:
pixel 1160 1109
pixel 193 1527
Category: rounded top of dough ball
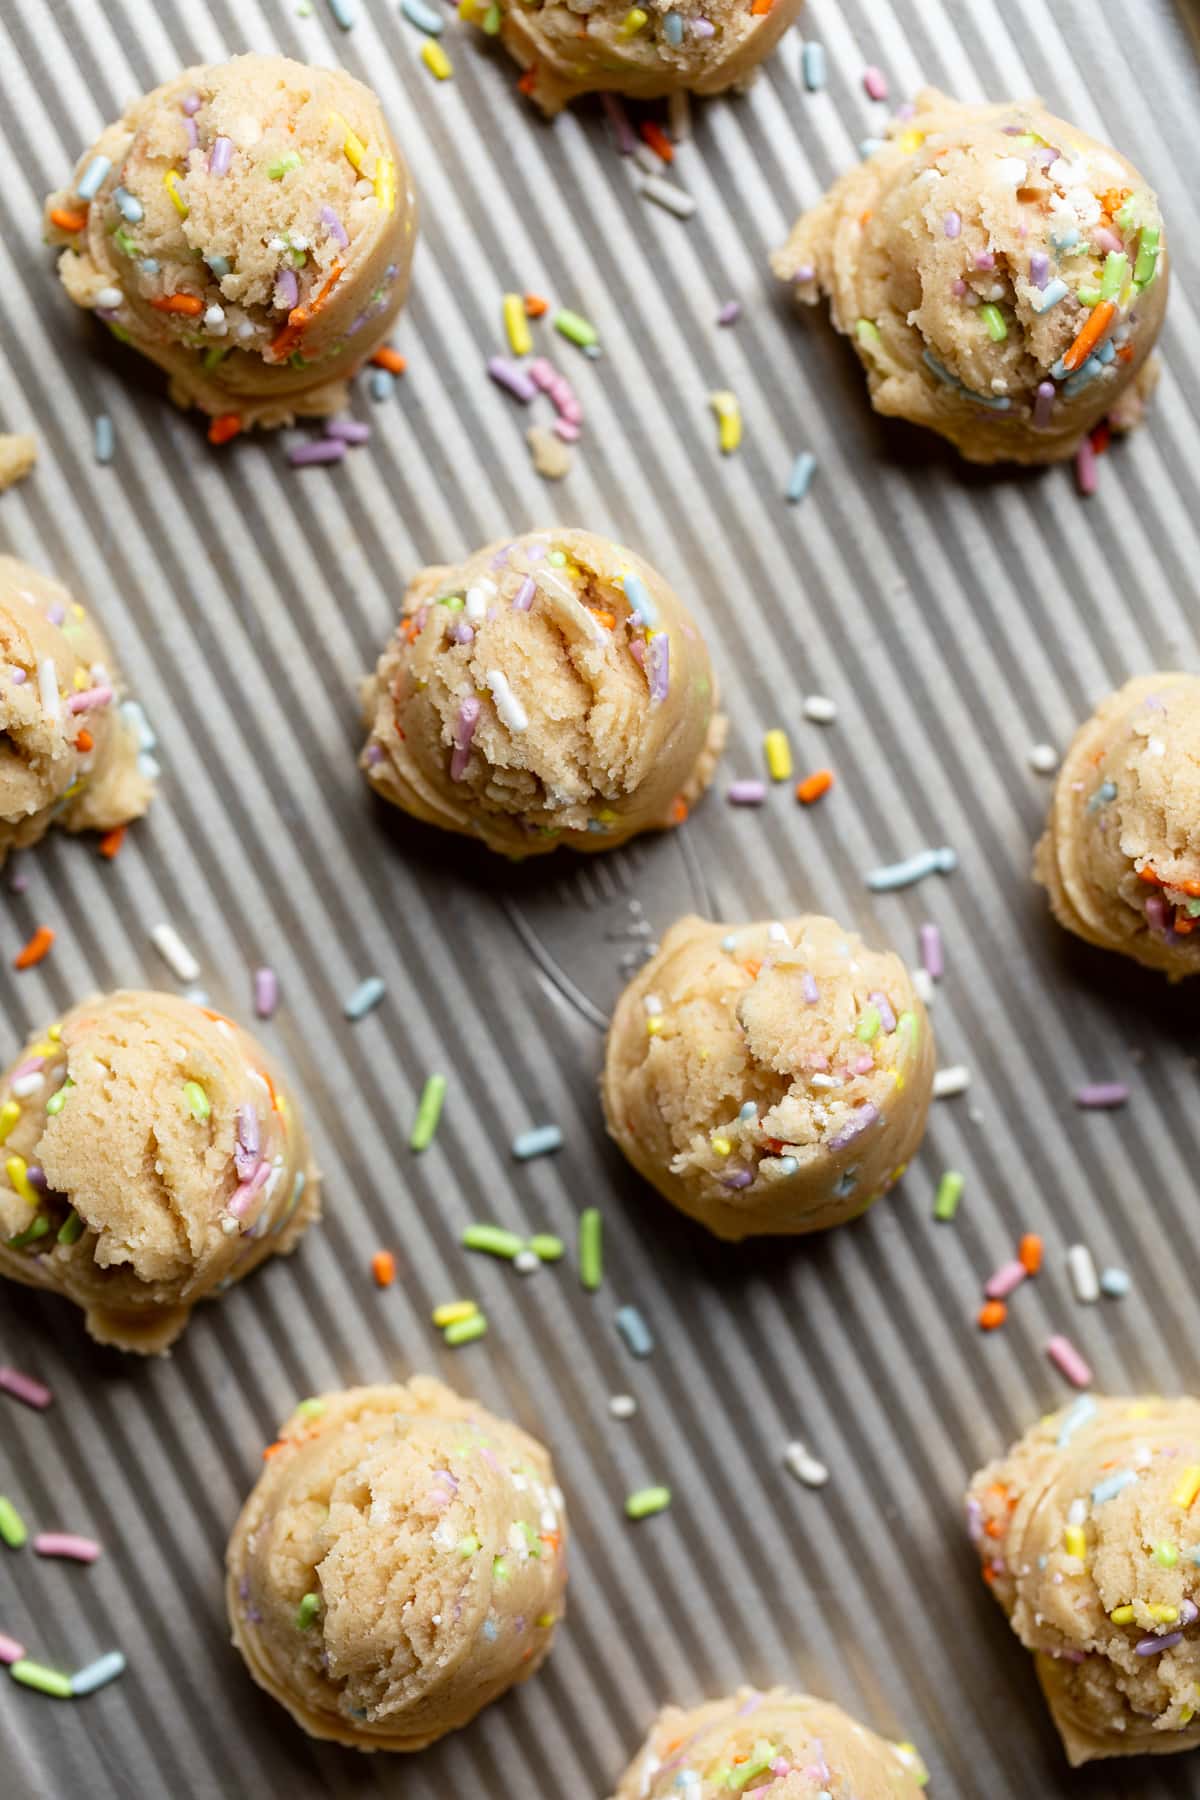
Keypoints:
pixel 1121 851
pixel 1003 275
pixel 550 690
pixel 572 47
pixel 399 1564
pixel 769 1078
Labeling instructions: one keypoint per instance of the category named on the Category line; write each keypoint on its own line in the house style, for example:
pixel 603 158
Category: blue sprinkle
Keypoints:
pixel 98 1674
pixel 673 29
pixel 383 384
pixel 1064 240
pixel 149 265
pixel 1083 377
pixel 1104 793
pixel 219 265
pixel 423 17
pixel 639 599
pixel 729 943
pixel 1058 370
pixel 1115 1283
pixel 538 1142
pixel 89 182
pixel 903 874
pixel 365 998
pixel 788 1165
pixel 1107 352
pixel 869 146
pixel 1051 294
pixel 489 1631
pixel 129 206
pixel 749 1111
pixel 845 1184
pixel 343 13
pixel 595 351
pixel 813 62
pixel 1083 1410
pixel 105 438
pixel 634 1330
pixel 1112 1485
pixel 803 470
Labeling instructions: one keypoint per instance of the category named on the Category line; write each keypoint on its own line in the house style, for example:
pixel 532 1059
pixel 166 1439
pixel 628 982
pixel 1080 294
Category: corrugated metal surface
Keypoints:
pixel 956 617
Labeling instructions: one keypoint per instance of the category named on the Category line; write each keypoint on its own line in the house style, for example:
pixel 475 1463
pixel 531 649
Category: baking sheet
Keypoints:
pixel 956 617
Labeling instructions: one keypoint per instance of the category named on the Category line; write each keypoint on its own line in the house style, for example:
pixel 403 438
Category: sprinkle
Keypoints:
pixel 436 60
pixel 746 793
pixel 1114 1284
pixel 453 1312
pixel 104 439
pixel 350 431
pixel 729 419
pixel 364 999
pixel 37 947
pixel 423 17
pixel 819 710
pixel 647 1501
pixel 546 1247
pixel 1086 473
pixel 1111 1486
pixel 266 992
pixel 634 21
pixel 171 183
pixel 1116 268
pixel 665 194
pixel 88 699
pixel 516 320
pixel 429 1111
pixel 66 1544
pixel 658 664
pixel 10 1650
pixel 730 313
pixel 320 450
pixel 537 1142
pixel 493 1240
pixel 24 1387
pixel 618 118
pixel 1082 1271
pixel 12 1525
pixel 903 874
pixel 954 1079
pixel 306 1612
pixel 799 1462
pixel 1145 267
pixel 813 65
pixel 526 1261
pixel 813 786
pixel 591 1249
pixel 801 478
pixel 383 1268
pixel 634 1330
pixel 638 596
pixel 949 1193
pixel 10 1112
pixel 573 326
pixel 93 178
pixel 97 1674
pixel 1068 1362
pixel 175 953
pixel 1006 1280
pixel 509 710
pixel 622 1406
pixel 1075 1542
pixel 658 141
pixel 466 1331
pixel 778 753
pixel 1149 1646
pixel 1030 1252
pixel 1051 294
pixel 71 1229
pixel 875 82
pixel 223 428
pixel 1102 1095
pixel 516 381
pixel 994 320
pixel 992 1315
pixel 220 156
pixel 37 1675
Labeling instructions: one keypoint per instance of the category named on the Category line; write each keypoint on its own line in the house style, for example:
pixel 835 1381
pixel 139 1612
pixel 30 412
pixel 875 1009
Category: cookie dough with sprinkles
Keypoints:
pixel 1089 1535
pixel 1120 856
pixel 791 1746
pixel 151 1156
pixel 67 754
pixel 249 227
pixel 1002 275
pixel 550 690
pixel 399 1564
pixel 774 1078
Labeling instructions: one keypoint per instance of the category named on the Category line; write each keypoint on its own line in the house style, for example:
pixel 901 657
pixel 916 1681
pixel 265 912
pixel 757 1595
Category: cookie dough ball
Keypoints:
pixel 399 1564
pixel 773 1078
pixel 791 1745
pixel 67 754
pixel 1121 852
pixel 1088 1532
pixel 249 227
pixel 550 690
pixel 1003 276
pixel 151 1156
pixel 573 47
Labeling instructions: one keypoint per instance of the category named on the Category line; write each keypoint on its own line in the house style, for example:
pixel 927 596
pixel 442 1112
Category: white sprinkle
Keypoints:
pixel 508 707
pixel 1082 1270
pixel 776 934
pixel 923 985
pixel 804 1467
pixel 820 710
pixel 478 599
pixel 679 115
pixel 622 1406
pixel 646 160
pixel 175 953
pixel 1077 1512
pixel 652 1005
pixel 1043 759
pixel 1012 170
pixel 214 321
pixel 48 689
pixel 955 1079
pixel 526 1261
pixel 665 193
pixel 109 298
pixel 25 1085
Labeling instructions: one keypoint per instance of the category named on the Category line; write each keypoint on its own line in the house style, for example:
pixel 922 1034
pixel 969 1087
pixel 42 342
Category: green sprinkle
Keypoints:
pixel 12 1525
pixel 468 1545
pixel 1088 296
pixel 532 1541
pixel 282 164
pixel 574 326
pixel 499 1569
pixel 465 1331
pixel 491 20
pixel 558 558
pixel 994 319
pixel 1116 268
pixel 867 332
pixel 428 1113
pixel 125 243
pixel 1127 217
pixel 868 1025
pixel 762 1756
pixel 1146 266
pixel 452 602
pixel 31 1234
pixel 214 355
pixel 71 1229
pixel 1166 1554
pixel 547 1247
pixel 311 1409
pixel 307 1610
pixel 591 1249
pixel 37 1675
pixel 493 1239
pixel 647 1501
pixel 118 331
pixel 197 1099
pixel 949 1193
pixel 57 1101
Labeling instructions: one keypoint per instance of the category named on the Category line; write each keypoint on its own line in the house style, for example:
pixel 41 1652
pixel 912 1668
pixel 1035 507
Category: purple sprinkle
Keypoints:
pixel 985 260
pixel 746 793
pixel 974 1519
pixel 56 614
pixel 19 884
pixel 18 676
pixel 220 156
pixel 190 104
pixel 193 136
pixel 35 1175
pixel 1156 912
pixel 1039 268
pixel 1044 405
pixel 730 313
pixel 1150 1646
pixel 322 450
pixel 952 224
pixel 525 593
pixel 1188 1611
pixel 1102 1094
pixel 249 1141
pixel 618 118
pixel 334 226
pixel 809 988
pixel 508 375
pixel 737 1178
pixel 804 274
pixel 266 991
pixel 287 289
pixel 931 952
pixel 374 755
pixel 659 658
pixel 464 731
pixel 350 431
pixel 883 1007
pixel 461 632
pixel 865 1115
pixel 703 28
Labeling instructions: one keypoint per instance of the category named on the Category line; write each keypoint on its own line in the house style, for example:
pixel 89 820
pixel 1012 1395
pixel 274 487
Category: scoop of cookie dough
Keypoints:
pixel 1088 1532
pixel 399 1564
pixel 1003 277
pixel 550 690
pixel 249 227
pixel 1121 852
pixel 151 1156
pixel 573 47
pixel 790 1745
pixel 67 755
pixel 769 1079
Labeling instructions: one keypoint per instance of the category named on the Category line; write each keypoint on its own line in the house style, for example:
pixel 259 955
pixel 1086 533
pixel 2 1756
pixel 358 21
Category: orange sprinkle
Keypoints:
pixel 85 742
pixel 1125 353
pixel 679 810
pixel 988 1573
pixel 992 1315
pixel 813 786
pixel 761 7
pixel 535 306
pixel 606 618
pixel 68 221
pixel 391 360
pixel 528 81
pixel 224 427
pixel 408 629
pixel 112 840
pixel 1102 437
pixel 996 1528
pixel 658 140
pixel 274 1449
pixel 752 968
pixel 190 305
pixel 1029 1253
pixel 1096 329
pixel 1182 924
pixel 1146 873
pixel 37 947
pixel 383 1268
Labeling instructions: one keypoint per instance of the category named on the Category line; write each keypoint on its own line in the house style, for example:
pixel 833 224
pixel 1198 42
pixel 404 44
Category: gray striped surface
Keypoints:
pixel 955 616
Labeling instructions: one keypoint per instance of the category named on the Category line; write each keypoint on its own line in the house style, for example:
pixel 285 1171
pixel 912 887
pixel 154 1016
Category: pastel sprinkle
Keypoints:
pixel 493 1240
pixel 24 1387
pixel 778 753
pixel 1006 1280
pixel 799 1461
pixel 730 313
pixel 175 953
pixel 429 1112
pixel 819 709
pixel 467 1331
pixel 10 1650
pixel 875 82
pixel 813 64
pixel 515 380
pixel 1102 1095
pixel 1115 1284
pixel 746 793
pixel 1112 1485
pixel 729 419
pixel 665 194
pixel 93 178
pixel 634 1330
pixel 538 1141
pixel 591 1249
pixel 453 1312
pixel 647 1501
pixel 46 1681
pixel 574 326
pixel 903 874
pixel 12 1525
pixel 266 993
pixel 198 1101
pixel 97 1674
pixel 66 1544
pixel 1079 1413
pixel 949 1193
pixel 364 998
pixel 801 478
pixel 1068 1362
pixel 436 60
pixel 1050 295
pixel 316 453
pixel 1082 1271
pixel 306 1612
pixel 104 439
pixel 546 1247
pixel 423 17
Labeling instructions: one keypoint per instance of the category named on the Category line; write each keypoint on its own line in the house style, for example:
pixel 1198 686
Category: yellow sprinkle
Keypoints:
pixel 544 1621
pixel 82 680
pixel 453 1312
pixel 436 60
pixel 722 1146
pixel 1075 1541
pixel 14 1168
pixel 171 183
pixel 385 183
pixel 729 420
pixel 468 11
pixel 1189 1486
pixel 520 338
pixel 911 140
pixel 1185 1717
pixel 1122 1615
pixel 653 1027
pixel 10 1112
pixel 1163 1615
pixel 55 1032
pixel 633 22
pixel 355 150
pixel 778 753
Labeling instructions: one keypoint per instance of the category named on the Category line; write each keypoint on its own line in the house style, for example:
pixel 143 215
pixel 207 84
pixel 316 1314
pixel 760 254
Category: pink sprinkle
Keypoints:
pixel 804 274
pixel 190 104
pixel 952 224
pixel 564 429
pixel 240 1203
pixel 875 82
pixel 266 992
pixel 24 1387
pixel 1086 472
pixel 321 450
pixel 730 313
pixel 542 373
pixel 985 260
pixel 1104 239
pixel 746 793
pixel 220 156
pixel 959 288
pixel 931 952
pixel 1102 1094
pixel 1155 909
pixel 1007 1278
pixel 350 431
pixel 10 1650
pixel 193 136
pixel 524 595
pixel 66 1543
pixel 89 699
pixel 1068 1362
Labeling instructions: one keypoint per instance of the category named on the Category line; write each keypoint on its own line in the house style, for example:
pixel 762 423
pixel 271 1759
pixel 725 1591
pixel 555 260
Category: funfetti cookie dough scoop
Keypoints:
pixel 399 1564
pixel 249 226
pixel 152 1156
pixel 1087 1531
pixel 773 1078
pixel 67 754
pixel 550 690
pixel 1003 277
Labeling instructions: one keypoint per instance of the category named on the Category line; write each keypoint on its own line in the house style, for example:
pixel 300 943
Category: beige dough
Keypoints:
pixel 521 701
pixel 51 652
pixel 261 288
pixel 929 254
pixel 1089 1534
pixel 573 47
pixel 17 457
pixel 432 1540
pixel 1121 851
pixel 770 1078
pixel 165 1159
pixel 788 1746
